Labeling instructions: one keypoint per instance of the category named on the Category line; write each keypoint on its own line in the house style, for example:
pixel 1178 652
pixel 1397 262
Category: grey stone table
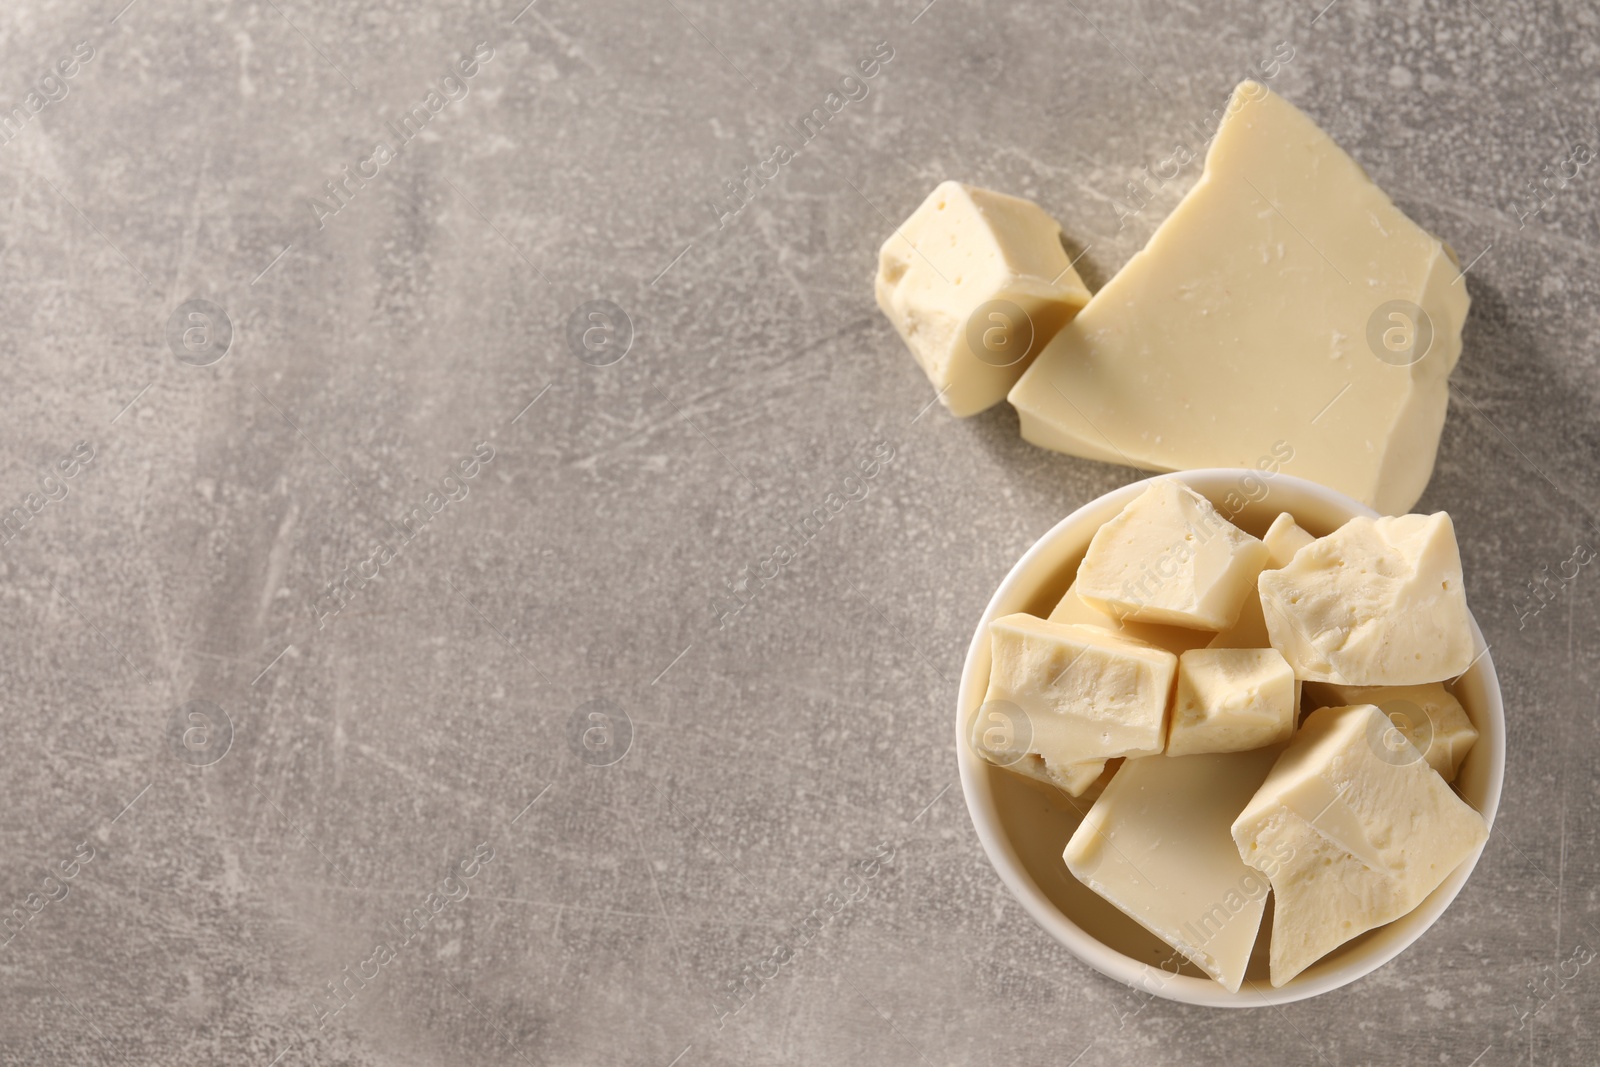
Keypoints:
pixel 355 558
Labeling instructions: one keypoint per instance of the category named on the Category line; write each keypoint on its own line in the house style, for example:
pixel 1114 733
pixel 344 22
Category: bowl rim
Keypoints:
pixel 1115 964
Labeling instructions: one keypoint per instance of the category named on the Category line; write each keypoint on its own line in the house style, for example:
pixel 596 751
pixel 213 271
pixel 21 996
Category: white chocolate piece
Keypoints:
pixel 963 249
pixel 1071 694
pixel 1083 780
pixel 1376 602
pixel 1169 557
pixel 1357 837
pixel 1286 299
pixel 1157 845
pixel 1231 700
pixel 1429 716
pixel 1175 639
pixel 1283 539
pixel 1250 631
pixel 1074 779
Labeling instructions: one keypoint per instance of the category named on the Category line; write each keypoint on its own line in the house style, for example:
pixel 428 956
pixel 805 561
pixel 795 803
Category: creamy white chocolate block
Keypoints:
pixel 1376 602
pixel 959 253
pixel 1084 694
pixel 1169 557
pixel 1157 845
pixel 1175 639
pixel 1075 779
pixel 1249 631
pixel 1286 299
pixel 1283 539
pixel 1357 838
pixel 1230 700
pixel 1429 716
pixel 1082 780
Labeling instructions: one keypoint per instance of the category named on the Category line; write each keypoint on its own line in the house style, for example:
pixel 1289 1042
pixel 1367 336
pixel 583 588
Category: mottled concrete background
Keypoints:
pixel 359 772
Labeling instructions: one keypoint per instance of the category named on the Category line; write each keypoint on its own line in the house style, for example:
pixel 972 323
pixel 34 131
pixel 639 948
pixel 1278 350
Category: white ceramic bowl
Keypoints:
pixel 1024 824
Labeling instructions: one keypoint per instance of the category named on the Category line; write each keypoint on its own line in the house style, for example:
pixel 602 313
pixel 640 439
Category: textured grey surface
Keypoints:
pixel 373 752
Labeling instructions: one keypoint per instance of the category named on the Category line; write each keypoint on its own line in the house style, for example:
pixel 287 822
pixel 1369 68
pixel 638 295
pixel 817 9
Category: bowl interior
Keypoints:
pixel 1024 825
